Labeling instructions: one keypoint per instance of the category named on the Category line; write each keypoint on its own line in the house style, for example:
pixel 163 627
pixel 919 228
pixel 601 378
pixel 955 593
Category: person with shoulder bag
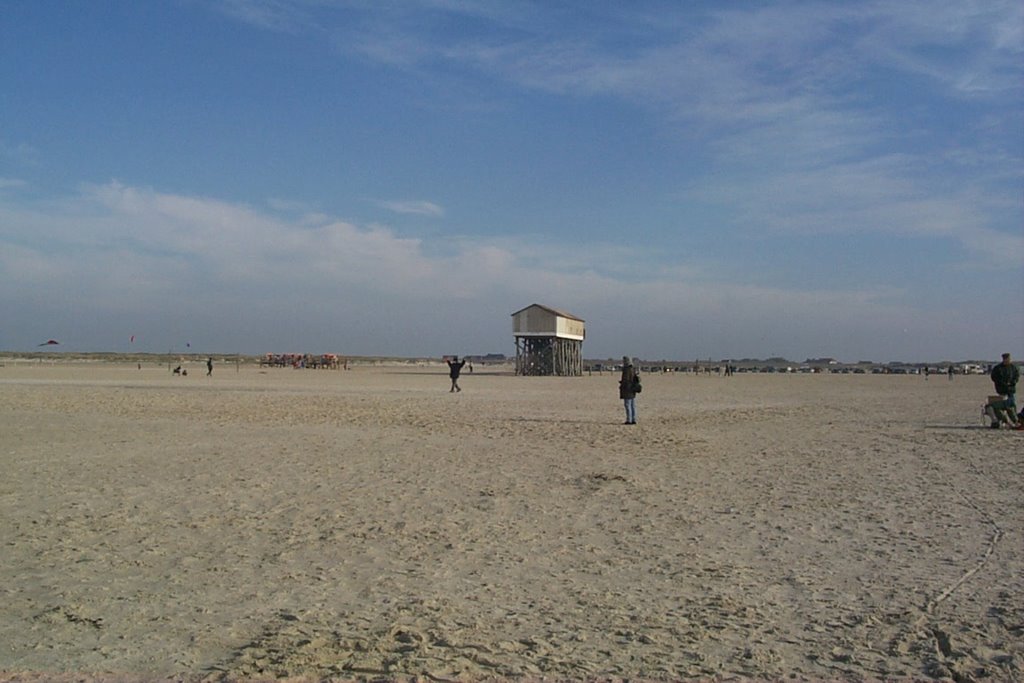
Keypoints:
pixel 629 387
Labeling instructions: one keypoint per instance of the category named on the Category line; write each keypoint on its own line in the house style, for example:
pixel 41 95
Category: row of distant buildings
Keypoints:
pixel 772 366
pixel 550 341
pixel 780 366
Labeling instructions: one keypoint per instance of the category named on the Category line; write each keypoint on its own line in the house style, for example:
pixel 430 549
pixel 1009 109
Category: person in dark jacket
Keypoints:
pixel 1004 377
pixel 629 384
pixel 454 368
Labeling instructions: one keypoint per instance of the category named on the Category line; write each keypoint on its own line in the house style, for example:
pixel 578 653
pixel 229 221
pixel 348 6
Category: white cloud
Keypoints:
pixel 886 195
pixel 142 260
pixel 418 207
pixel 777 99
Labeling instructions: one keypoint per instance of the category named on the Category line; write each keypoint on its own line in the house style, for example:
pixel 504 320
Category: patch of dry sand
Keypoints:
pixel 369 524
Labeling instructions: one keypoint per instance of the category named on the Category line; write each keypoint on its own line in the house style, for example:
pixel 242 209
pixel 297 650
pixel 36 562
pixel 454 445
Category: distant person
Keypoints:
pixel 949 373
pixel 629 387
pixel 454 368
pixel 209 367
pixel 176 371
pixel 1005 376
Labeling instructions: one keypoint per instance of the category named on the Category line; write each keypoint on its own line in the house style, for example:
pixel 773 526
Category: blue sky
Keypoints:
pixel 694 179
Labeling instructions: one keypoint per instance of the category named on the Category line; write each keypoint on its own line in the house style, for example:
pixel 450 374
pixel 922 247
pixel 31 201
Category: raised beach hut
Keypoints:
pixel 548 342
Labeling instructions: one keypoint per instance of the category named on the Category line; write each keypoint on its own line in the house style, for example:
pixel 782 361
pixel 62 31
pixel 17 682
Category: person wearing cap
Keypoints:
pixel 629 387
pixel 1004 376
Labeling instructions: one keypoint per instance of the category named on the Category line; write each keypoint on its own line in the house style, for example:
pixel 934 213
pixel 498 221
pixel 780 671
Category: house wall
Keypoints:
pixel 535 320
pixel 570 329
pixel 538 322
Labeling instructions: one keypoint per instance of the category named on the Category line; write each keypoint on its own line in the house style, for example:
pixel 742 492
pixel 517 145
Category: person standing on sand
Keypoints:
pixel 629 387
pixel 1005 376
pixel 454 368
pixel 209 367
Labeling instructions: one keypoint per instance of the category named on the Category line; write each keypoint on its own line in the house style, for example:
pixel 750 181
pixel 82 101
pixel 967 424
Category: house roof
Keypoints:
pixel 561 314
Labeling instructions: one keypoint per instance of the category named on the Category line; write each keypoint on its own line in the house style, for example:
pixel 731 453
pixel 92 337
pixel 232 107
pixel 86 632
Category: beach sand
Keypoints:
pixel 369 524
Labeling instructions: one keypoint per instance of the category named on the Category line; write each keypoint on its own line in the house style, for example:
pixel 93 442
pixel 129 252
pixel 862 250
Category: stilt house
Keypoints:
pixel 548 342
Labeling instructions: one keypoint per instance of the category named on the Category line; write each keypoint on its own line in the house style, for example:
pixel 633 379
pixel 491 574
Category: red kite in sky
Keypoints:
pixel 50 342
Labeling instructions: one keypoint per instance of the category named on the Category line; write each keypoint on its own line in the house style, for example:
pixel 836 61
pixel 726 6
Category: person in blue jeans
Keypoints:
pixel 629 386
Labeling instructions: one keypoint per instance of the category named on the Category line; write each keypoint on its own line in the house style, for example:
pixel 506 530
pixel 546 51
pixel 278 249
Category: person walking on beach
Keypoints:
pixel 1005 376
pixel 629 387
pixel 209 367
pixel 454 368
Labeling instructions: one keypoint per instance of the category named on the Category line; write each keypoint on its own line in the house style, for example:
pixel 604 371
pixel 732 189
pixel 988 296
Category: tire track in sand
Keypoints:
pixel 945 664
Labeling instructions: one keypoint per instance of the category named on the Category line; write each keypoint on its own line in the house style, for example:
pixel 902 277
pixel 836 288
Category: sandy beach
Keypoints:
pixel 368 524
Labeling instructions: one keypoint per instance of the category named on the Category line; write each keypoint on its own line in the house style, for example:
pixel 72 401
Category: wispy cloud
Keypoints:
pixel 781 94
pixel 982 43
pixel 140 257
pixel 890 195
pixel 12 183
pixel 417 207
pixel 19 153
pixel 719 65
pixel 883 123
pixel 277 15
